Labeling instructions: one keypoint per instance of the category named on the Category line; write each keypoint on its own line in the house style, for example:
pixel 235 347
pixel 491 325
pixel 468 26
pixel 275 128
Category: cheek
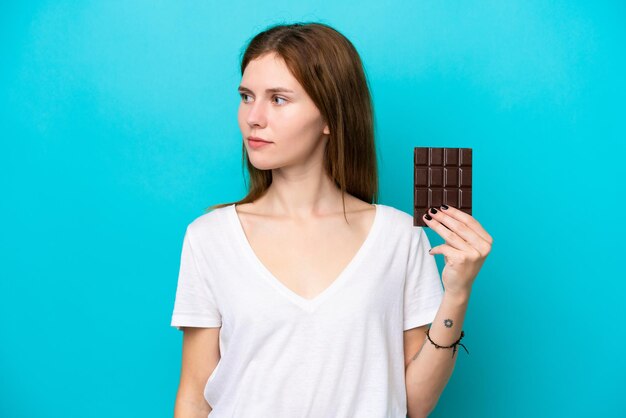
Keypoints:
pixel 241 116
pixel 299 121
pixel 287 124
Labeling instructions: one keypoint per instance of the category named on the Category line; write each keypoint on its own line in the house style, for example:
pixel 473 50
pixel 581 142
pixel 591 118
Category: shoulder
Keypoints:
pixel 400 223
pixel 211 223
pixel 397 216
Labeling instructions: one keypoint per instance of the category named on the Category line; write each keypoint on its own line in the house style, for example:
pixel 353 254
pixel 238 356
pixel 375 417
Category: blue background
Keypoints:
pixel 119 126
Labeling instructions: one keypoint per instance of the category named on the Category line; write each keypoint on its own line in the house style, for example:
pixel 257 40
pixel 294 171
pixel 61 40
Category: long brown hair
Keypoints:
pixel 330 70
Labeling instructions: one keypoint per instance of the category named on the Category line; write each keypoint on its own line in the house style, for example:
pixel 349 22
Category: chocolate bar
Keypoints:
pixel 442 176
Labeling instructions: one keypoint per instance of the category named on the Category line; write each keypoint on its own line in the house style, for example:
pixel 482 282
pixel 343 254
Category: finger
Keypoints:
pixel 461 229
pixel 468 220
pixel 449 252
pixel 449 236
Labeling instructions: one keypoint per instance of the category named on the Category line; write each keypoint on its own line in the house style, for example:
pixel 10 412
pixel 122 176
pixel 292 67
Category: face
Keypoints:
pixel 288 119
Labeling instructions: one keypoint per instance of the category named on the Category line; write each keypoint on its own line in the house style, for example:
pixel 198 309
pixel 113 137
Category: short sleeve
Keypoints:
pixel 423 291
pixel 194 305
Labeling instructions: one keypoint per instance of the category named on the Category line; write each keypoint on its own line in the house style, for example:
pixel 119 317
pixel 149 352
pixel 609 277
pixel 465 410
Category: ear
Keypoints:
pixel 326 130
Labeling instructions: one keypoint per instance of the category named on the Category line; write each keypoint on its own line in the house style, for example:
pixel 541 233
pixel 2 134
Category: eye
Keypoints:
pixel 280 98
pixel 243 97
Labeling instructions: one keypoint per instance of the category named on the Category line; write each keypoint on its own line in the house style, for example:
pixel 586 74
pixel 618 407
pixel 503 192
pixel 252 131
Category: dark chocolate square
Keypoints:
pixel 441 176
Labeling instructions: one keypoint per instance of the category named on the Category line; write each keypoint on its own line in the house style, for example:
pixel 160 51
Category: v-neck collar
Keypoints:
pixel 304 303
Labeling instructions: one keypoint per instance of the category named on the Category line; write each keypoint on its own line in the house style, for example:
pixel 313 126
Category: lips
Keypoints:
pixel 257 144
pixel 254 138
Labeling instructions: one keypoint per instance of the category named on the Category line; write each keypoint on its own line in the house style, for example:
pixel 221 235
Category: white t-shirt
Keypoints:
pixel 340 354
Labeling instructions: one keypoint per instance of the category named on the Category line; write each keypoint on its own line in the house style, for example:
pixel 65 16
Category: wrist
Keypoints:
pixel 458 298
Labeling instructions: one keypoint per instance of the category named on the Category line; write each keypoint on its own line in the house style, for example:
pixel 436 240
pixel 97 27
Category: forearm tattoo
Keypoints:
pixel 448 324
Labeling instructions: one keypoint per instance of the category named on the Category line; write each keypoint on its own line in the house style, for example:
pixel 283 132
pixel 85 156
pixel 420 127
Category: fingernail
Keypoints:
pixel 427 216
pixel 444 207
pixel 433 210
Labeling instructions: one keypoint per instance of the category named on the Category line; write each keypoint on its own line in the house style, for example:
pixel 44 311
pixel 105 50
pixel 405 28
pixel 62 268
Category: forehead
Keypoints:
pixel 268 71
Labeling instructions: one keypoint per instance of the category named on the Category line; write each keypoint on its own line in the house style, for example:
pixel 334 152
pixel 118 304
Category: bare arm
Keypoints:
pixel 428 371
pixel 200 356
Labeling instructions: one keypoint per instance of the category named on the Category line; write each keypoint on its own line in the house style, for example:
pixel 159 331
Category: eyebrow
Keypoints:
pixel 272 90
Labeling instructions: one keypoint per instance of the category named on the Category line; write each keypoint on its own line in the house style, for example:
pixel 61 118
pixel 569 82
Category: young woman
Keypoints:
pixel 303 299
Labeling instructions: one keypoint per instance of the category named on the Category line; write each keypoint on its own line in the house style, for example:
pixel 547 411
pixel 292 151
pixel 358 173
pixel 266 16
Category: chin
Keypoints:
pixel 263 165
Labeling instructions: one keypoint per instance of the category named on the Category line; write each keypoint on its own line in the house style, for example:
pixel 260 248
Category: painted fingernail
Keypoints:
pixel 433 210
pixel 444 207
pixel 427 216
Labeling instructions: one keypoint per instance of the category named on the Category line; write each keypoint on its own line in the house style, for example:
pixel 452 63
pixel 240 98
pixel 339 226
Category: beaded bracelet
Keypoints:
pixel 453 346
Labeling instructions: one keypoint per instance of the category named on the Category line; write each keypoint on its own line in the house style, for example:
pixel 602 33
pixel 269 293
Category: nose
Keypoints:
pixel 256 113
